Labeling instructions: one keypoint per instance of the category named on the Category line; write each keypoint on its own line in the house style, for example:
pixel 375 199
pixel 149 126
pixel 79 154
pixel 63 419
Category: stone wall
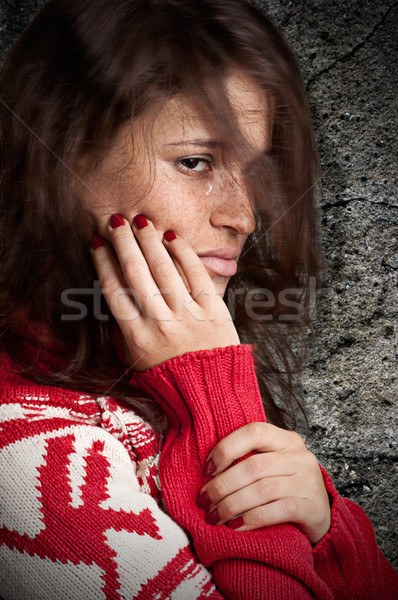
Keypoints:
pixel 348 54
pixel 346 51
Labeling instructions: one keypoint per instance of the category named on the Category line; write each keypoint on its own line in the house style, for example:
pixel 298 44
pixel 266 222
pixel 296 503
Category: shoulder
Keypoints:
pixel 81 500
pixel 31 411
pixel 46 431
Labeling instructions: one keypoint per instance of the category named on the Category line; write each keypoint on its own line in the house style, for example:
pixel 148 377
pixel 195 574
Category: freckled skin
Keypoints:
pixel 144 177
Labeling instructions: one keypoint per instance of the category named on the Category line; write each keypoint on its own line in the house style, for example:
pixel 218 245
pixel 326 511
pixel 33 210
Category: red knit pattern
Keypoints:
pixel 89 510
pixel 81 511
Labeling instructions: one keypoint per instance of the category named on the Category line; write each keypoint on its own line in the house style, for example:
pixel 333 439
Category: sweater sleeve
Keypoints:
pixel 348 558
pixel 74 523
pixel 207 395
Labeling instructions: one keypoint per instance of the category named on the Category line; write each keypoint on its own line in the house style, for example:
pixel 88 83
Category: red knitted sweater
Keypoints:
pixel 88 510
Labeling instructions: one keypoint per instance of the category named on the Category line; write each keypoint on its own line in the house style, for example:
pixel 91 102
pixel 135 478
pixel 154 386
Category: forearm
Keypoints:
pixel 348 559
pixel 207 395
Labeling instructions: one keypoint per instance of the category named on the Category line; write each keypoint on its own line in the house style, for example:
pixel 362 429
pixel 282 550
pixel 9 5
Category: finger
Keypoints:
pixel 181 273
pixel 259 493
pixel 286 510
pixel 256 436
pixel 160 264
pixel 254 468
pixel 199 281
pixel 119 298
pixel 136 270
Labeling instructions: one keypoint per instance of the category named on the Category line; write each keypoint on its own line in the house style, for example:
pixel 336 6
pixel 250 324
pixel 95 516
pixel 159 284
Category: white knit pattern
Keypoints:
pixel 77 520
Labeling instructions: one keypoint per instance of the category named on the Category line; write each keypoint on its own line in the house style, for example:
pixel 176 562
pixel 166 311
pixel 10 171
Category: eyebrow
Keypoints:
pixel 197 142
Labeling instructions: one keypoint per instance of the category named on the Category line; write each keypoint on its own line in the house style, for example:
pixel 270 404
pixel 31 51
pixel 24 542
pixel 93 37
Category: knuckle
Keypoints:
pixel 132 269
pixel 163 268
pixel 256 429
pixel 165 327
pixel 311 460
pixel 227 508
pixel 265 488
pixel 296 439
pixel 291 508
pixel 260 515
pixel 218 489
pixel 196 269
pixel 222 454
pixel 254 465
pixel 264 513
pixel 109 285
pixel 140 344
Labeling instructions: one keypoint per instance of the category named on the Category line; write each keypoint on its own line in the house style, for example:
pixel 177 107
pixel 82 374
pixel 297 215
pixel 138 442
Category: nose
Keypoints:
pixel 231 206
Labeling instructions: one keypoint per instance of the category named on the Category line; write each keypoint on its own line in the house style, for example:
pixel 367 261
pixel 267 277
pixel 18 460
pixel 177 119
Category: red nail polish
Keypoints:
pixel 97 241
pixel 235 523
pixel 140 221
pixel 212 517
pixel 116 220
pixel 204 501
pixel 210 467
pixel 169 236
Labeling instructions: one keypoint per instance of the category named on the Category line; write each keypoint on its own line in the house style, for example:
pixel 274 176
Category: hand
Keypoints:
pixel 157 315
pixel 281 483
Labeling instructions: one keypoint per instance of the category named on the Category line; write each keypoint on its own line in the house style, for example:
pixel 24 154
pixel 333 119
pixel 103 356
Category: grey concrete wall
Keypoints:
pixel 347 51
pixel 348 54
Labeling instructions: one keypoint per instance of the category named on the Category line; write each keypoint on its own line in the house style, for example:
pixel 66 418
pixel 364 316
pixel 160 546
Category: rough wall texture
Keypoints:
pixel 347 51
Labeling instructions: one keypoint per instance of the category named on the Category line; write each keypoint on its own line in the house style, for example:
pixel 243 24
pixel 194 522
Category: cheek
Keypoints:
pixel 169 200
pixel 178 205
pixel 122 192
pixel 103 196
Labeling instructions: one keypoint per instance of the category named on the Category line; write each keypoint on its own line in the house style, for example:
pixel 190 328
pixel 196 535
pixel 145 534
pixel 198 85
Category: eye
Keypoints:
pixel 194 164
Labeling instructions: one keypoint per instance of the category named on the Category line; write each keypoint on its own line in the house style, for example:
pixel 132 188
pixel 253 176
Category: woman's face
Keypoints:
pixel 181 178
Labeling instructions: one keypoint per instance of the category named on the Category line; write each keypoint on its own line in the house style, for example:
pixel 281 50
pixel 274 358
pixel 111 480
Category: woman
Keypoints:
pixel 137 460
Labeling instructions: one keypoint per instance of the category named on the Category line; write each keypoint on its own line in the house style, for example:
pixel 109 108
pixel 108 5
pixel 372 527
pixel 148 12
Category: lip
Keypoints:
pixel 221 261
pixel 227 252
pixel 221 266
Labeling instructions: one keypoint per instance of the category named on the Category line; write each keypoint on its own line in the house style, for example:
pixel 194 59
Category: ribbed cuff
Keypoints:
pixel 209 386
pixel 320 547
pixel 347 558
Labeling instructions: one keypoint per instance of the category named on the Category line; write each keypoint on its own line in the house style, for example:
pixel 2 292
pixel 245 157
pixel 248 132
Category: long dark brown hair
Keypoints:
pixel 80 72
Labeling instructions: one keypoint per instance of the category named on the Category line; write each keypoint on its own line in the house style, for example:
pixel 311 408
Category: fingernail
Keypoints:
pixel 210 467
pixel 212 517
pixel 235 523
pixel 169 236
pixel 116 220
pixel 97 241
pixel 140 221
pixel 204 501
